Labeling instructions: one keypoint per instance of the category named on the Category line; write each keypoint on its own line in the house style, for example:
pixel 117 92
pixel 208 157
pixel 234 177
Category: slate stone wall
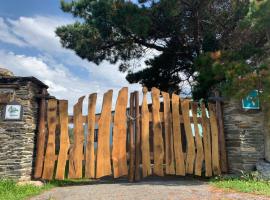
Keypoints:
pixel 17 138
pixel 244 133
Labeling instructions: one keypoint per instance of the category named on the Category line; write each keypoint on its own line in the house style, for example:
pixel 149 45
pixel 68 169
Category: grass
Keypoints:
pixel 9 190
pixel 243 184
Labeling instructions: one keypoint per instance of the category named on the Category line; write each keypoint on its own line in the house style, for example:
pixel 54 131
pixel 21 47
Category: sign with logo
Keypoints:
pixel 13 111
pixel 251 101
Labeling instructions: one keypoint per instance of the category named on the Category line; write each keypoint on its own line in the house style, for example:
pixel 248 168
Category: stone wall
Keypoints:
pixel 18 137
pixel 244 133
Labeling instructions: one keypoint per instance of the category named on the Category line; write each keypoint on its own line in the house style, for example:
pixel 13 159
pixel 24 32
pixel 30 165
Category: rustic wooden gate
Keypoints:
pixel 171 136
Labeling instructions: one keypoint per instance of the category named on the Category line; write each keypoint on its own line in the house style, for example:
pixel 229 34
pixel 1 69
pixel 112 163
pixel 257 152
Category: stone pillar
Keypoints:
pixel 17 138
pixel 244 133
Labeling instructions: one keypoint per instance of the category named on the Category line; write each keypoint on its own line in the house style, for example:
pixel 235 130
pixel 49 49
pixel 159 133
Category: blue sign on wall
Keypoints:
pixel 251 101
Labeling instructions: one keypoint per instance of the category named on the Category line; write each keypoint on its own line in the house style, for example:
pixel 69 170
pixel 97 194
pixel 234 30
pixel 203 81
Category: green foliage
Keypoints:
pixel 125 32
pixel 248 183
pixel 9 190
pixel 244 62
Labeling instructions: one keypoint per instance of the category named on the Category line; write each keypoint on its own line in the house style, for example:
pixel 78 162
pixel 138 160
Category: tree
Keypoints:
pixel 178 31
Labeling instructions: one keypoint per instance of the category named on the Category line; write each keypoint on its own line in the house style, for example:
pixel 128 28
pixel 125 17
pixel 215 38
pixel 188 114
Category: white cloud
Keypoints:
pixel 7 36
pixel 66 74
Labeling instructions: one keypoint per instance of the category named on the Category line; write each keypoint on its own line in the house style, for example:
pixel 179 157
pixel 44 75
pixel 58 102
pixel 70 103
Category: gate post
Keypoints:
pixel 18 137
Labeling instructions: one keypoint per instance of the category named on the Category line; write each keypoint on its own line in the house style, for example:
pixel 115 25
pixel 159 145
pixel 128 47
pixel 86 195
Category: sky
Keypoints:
pixel 30 47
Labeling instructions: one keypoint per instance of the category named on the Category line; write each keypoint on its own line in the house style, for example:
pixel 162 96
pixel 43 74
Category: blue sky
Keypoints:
pixel 29 47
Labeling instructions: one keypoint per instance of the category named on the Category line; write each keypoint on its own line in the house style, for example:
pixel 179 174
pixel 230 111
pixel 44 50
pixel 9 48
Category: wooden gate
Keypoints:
pixel 168 136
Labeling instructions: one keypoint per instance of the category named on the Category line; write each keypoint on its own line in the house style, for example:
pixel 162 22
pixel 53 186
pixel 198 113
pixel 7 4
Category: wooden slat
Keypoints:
pixel 169 153
pixel 178 150
pixel 221 136
pixel 190 156
pixel 103 150
pixel 157 130
pixel 64 140
pixel 90 146
pixel 131 141
pixel 214 134
pixel 41 137
pixel 50 150
pixel 146 162
pixel 138 138
pixel 206 142
pixel 198 139
pixel 75 161
pixel 119 157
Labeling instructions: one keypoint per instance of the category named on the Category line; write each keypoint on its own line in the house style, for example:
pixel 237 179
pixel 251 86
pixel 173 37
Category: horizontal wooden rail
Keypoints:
pixel 84 119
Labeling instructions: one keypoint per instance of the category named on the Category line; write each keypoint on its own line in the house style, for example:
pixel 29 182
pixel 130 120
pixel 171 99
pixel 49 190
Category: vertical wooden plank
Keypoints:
pixel 169 154
pixel 41 137
pixel 157 130
pixel 178 151
pixel 146 162
pixel 90 146
pixel 64 140
pixel 119 155
pixel 131 140
pixel 214 134
pixel 50 150
pixel 190 154
pixel 103 167
pixel 76 157
pixel 221 136
pixel 206 142
pixel 138 138
pixel 198 139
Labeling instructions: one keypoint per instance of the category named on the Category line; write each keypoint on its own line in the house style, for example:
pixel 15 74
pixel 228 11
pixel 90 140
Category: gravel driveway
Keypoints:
pixel 149 189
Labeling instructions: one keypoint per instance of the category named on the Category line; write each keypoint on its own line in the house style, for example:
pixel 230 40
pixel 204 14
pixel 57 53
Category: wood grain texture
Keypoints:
pixel 206 142
pixel 199 146
pixel 41 137
pixel 157 130
pixel 119 155
pixel 90 156
pixel 145 146
pixel 49 162
pixel 76 157
pixel 131 172
pixel 178 149
pixel 169 152
pixel 138 152
pixel 64 140
pixel 221 136
pixel 190 152
pixel 214 134
pixel 103 167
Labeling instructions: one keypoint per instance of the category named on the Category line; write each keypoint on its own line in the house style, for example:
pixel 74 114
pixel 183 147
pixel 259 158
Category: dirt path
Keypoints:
pixel 152 189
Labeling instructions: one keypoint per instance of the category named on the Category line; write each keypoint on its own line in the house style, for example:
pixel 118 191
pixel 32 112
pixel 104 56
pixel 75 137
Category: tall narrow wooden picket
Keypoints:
pixel 214 134
pixel 103 167
pixel 199 145
pixel 49 160
pixel 157 129
pixel 90 157
pixel 178 149
pixel 41 137
pixel 64 140
pixel 119 156
pixel 206 142
pixel 169 153
pixel 76 157
pixel 146 162
pixel 190 152
pixel 131 140
pixel 138 138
